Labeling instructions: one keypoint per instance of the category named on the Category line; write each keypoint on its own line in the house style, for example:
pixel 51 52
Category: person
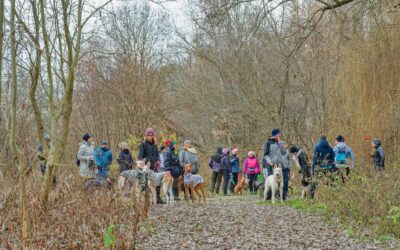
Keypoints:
pixel 251 167
pixel 225 168
pixel 103 158
pixel 323 156
pixel 86 158
pixel 301 159
pixel 42 158
pixel 342 153
pixel 188 154
pixel 378 155
pixel 125 159
pixel 148 150
pixel 163 149
pixel 286 166
pixel 273 150
pixel 215 165
pixel 235 169
pixel 172 164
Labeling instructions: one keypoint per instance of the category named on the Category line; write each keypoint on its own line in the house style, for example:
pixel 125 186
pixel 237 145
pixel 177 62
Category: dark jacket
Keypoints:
pixel 215 161
pixel 149 152
pixel 125 160
pixel 226 163
pixel 171 163
pixel 323 155
pixel 305 167
pixel 379 157
pixel 235 165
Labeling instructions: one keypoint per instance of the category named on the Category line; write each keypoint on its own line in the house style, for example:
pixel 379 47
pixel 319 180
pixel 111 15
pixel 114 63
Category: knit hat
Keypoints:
pixel 124 145
pixel 225 151
pixel 275 132
pixel 187 142
pixel 377 142
pixel 47 137
pixel 149 131
pixel 251 153
pixel 323 137
pixel 340 138
pixel 162 148
pixel 104 142
pixel 86 136
pixel 170 142
pixel 235 151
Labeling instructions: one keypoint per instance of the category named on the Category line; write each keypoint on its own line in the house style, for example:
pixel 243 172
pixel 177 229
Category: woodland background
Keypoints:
pixel 237 70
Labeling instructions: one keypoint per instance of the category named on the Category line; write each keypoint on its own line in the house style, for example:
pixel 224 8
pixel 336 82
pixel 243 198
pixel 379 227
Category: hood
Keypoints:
pixel 219 151
pixel 341 145
pixel 125 150
pixel 104 149
pixel 323 144
pixel 190 150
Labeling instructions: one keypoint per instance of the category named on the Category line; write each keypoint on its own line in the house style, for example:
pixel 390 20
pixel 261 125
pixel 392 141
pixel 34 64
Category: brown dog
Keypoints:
pixel 195 183
pixel 240 186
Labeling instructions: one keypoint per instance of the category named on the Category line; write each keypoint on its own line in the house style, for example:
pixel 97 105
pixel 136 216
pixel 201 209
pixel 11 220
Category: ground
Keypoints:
pixel 240 223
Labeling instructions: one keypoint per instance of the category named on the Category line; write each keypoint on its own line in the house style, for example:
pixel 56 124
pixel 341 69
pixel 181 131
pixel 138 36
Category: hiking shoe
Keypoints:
pixel 161 202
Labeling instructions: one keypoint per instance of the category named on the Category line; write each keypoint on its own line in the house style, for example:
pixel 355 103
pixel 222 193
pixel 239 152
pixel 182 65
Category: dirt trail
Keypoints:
pixel 239 223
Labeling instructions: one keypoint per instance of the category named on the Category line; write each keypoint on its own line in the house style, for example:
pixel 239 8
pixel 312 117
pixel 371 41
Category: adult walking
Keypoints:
pixel 251 167
pixel 148 150
pixel 273 150
pixel 103 158
pixel 323 156
pixel 188 154
pixel 343 154
pixel 85 157
pixel 286 166
pixel 125 159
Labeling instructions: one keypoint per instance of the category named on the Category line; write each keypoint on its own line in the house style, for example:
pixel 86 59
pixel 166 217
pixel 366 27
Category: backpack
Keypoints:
pixel 341 156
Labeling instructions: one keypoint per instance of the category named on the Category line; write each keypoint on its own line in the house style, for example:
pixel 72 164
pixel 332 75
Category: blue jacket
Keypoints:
pixel 103 157
pixel 323 155
pixel 235 165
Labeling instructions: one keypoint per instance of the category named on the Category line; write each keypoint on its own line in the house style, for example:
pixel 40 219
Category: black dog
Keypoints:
pixel 260 186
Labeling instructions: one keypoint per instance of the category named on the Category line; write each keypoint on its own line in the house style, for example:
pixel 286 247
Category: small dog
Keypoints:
pixel 274 183
pixel 195 183
pixel 240 186
pixel 260 186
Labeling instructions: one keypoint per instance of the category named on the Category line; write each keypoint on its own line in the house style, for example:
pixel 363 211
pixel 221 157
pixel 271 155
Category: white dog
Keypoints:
pixel 155 180
pixel 274 182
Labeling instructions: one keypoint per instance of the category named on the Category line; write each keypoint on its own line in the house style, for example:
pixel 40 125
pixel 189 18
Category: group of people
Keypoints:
pixel 225 163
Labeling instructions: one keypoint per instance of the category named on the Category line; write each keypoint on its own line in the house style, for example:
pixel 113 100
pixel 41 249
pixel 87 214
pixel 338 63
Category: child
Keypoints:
pixel 251 168
pixel 378 155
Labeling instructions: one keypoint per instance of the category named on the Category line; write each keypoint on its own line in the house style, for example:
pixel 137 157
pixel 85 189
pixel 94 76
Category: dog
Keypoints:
pixel 260 186
pixel 240 186
pixel 195 183
pixel 155 180
pixel 274 183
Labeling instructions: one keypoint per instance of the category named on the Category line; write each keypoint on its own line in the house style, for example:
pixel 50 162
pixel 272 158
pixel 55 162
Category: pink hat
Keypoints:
pixel 235 151
pixel 225 151
pixel 251 153
pixel 149 131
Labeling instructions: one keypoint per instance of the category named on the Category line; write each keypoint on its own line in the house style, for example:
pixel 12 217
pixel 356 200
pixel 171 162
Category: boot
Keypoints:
pixel 159 200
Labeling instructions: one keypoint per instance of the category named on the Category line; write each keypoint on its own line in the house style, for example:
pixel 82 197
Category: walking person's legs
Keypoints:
pixel 286 177
pixel 218 182
pixel 226 180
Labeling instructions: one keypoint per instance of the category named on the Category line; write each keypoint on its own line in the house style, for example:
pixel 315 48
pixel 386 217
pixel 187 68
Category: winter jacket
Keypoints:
pixel 379 157
pixel 149 152
pixel 85 156
pixel 125 160
pixel 226 163
pixel 251 166
pixel 235 165
pixel 162 157
pixel 103 157
pixel 42 158
pixel 286 160
pixel 172 164
pixel 215 161
pixel 342 153
pixel 324 156
pixel 189 155
pixel 273 152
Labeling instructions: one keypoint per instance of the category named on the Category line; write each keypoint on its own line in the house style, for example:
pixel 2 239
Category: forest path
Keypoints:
pixel 240 223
